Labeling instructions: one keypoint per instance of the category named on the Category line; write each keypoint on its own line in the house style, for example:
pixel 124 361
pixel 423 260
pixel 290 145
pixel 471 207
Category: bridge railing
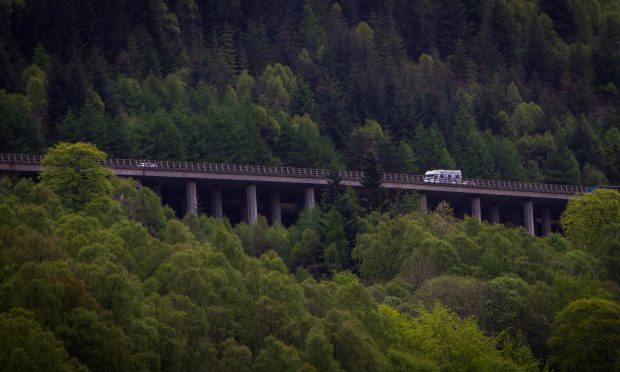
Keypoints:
pixel 267 170
pixel 491 184
pixel 30 159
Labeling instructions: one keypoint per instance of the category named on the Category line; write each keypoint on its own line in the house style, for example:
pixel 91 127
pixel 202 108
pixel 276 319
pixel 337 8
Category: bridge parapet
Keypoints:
pixel 13 160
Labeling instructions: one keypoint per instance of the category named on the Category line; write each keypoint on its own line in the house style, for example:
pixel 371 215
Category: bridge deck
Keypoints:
pixel 293 175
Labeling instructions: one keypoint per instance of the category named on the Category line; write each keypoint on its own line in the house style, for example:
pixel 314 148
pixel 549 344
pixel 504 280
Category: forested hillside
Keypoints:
pixel 95 274
pixel 514 89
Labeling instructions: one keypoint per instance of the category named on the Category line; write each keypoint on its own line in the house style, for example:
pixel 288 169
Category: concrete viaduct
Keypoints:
pixel 242 192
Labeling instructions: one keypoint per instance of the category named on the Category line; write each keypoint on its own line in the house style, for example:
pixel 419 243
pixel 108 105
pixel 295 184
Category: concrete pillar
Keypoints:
pixel 216 203
pixel 191 197
pixel 528 216
pixel 476 210
pixel 276 210
pixel 494 213
pixel 546 221
pixel 251 207
pixel 310 197
pixel 423 203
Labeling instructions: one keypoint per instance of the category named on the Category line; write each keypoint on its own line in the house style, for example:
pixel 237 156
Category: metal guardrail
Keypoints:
pixel 267 170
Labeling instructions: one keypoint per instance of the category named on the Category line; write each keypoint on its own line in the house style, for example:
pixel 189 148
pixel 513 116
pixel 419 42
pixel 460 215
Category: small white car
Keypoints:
pixel 147 164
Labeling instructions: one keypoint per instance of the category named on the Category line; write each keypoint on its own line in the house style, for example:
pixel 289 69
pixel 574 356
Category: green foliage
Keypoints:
pixel 310 29
pixel 27 346
pixel 73 172
pixel 319 351
pixel 472 77
pixel 564 168
pixel 609 251
pixel 141 205
pixel 433 257
pixel 21 131
pixel 585 336
pixel 118 285
pixel 463 296
pixel 586 217
pixel 505 303
pixel 507 164
pixel 91 125
pixel 477 160
pixel 612 153
pixel 383 250
pixel 438 339
pixel 301 144
pixel 234 357
pixel 373 197
pixel 527 118
pixel 157 135
pixel 277 86
pixel 430 149
pixel 277 356
pixel 505 89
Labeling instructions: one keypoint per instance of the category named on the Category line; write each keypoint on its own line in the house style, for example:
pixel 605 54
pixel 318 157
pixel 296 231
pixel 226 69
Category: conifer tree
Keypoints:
pixel 20 131
pixel 310 30
pixel 373 197
pixel 430 149
pixel 563 167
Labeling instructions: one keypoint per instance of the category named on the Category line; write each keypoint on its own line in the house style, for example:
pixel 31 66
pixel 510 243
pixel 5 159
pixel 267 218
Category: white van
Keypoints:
pixel 443 176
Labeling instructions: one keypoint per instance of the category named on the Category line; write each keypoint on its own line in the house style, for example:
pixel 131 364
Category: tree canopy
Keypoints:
pixel 509 89
pixel 74 173
pixel 117 282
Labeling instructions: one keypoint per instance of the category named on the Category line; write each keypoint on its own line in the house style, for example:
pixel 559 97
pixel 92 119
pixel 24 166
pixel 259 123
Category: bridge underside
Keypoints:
pixel 511 211
pixel 233 199
pixel 282 201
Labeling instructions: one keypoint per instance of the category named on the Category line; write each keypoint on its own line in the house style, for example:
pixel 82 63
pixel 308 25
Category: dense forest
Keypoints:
pixel 513 89
pixel 95 274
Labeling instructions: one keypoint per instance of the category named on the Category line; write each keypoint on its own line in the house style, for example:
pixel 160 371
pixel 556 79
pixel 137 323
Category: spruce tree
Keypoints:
pixel 373 197
pixel 563 167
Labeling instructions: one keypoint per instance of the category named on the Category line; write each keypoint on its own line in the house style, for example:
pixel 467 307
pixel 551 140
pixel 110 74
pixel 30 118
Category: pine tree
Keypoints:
pixel 563 167
pixel 506 159
pixel 20 131
pixel 586 144
pixel 310 29
pixel 430 149
pixel 257 47
pixel 612 154
pixel 190 23
pixel 285 42
pixel 373 197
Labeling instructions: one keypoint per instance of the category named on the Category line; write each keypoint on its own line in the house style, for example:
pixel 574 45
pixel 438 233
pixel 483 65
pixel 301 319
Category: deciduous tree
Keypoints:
pixel 586 335
pixel 73 172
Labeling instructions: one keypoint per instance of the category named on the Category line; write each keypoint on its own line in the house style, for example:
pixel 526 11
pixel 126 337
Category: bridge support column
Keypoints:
pixel 191 197
pixel 216 201
pixel 528 216
pixel 423 203
pixel 276 210
pixel 251 207
pixel 546 221
pixel 476 211
pixel 494 213
pixel 309 197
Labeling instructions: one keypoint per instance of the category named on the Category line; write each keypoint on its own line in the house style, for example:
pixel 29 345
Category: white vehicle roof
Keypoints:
pixel 439 171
